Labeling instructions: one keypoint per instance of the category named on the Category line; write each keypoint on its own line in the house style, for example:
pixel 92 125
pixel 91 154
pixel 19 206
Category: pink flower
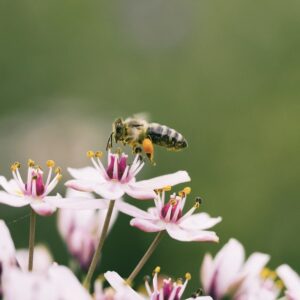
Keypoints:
pixel 291 281
pixel 118 178
pixel 35 191
pixel 169 290
pixel 229 275
pixel 58 283
pixel 183 227
pixel 81 229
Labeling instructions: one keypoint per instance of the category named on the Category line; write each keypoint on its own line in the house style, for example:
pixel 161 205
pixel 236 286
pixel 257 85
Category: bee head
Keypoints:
pixel 119 129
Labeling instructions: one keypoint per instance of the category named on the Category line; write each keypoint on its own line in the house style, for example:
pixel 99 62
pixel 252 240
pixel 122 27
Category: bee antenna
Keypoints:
pixel 109 142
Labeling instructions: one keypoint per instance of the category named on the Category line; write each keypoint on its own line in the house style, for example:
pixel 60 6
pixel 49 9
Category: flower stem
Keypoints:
pixel 88 278
pixel 146 256
pixel 31 239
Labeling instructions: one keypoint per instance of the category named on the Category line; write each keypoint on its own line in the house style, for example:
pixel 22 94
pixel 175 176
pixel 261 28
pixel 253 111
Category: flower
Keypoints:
pixel 169 290
pixel 118 178
pixel 42 258
pixel 291 280
pixel 35 190
pixel 58 283
pixel 229 275
pixel 183 227
pixel 81 229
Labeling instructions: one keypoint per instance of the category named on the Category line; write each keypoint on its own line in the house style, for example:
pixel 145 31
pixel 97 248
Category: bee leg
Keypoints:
pixel 149 149
pixel 138 150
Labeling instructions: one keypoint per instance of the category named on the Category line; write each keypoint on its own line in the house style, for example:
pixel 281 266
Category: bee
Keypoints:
pixel 141 135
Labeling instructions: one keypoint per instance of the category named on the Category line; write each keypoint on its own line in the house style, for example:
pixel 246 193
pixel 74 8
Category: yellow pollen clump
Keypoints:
pixel 99 154
pixel 90 154
pixel 58 170
pixel 179 281
pixel 50 163
pixel 59 177
pixel 167 188
pixel 279 284
pixel 188 276
pixel 173 202
pixel 265 273
pixel 16 165
pixel 156 270
pixel 30 163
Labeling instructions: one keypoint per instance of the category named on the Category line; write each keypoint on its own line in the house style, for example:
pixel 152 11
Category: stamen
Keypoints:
pixel 279 283
pixel 58 171
pixel 173 202
pixel 31 163
pixel 198 202
pixel 50 163
pixel 156 270
pixel 167 188
pixel 147 280
pixel 16 165
pixel 90 154
pixel 98 154
pixel 187 190
pixel 188 276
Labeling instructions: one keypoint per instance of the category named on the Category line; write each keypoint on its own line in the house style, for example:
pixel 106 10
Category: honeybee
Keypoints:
pixel 141 135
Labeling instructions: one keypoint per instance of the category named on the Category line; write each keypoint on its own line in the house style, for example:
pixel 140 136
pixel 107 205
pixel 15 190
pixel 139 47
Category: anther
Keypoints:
pixel 198 202
pixel 58 170
pixel 30 163
pixel 179 281
pixel 167 188
pixel 16 165
pixel 147 278
pixel 156 270
pixel 173 202
pixel 59 177
pixel 90 154
pixel 188 276
pixel 279 284
pixel 50 163
pixel 98 154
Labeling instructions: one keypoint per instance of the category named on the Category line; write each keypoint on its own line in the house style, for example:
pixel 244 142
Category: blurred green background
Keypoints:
pixel 224 73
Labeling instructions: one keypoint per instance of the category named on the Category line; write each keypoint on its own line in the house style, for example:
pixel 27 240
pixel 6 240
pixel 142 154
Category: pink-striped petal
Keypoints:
pixel 207 272
pixel 184 235
pixel 42 208
pixel 147 225
pixel 139 193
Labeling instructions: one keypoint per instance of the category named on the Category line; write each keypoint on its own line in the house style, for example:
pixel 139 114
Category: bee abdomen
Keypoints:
pixel 165 136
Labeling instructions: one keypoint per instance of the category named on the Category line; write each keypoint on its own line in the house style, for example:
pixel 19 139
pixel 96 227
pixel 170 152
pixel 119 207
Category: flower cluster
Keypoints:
pixel 94 198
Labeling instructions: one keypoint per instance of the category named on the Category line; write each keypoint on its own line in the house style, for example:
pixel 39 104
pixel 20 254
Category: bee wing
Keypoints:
pixel 142 116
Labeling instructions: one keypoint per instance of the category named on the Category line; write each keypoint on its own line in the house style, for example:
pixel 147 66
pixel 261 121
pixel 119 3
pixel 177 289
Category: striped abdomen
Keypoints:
pixel 167 137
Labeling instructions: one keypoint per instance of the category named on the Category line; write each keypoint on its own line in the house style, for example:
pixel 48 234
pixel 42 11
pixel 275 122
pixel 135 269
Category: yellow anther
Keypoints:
pixel 90 154
pixel 156 270
pixel 30 163
pixel 58 170
pixel 127 282
pixel 15 166
pixel 99 154
pixel 265 273
pixel 188 276
pixel 50 163
pixel 59 177
pixel 197 205
pixel 185 191
pixel 179 281
pixel 279 283
pixel 167 188
pixel 173 202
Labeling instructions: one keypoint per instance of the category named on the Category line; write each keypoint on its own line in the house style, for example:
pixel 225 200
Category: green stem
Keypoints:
pixel 146 256
pixel 31 239
pixel 96 257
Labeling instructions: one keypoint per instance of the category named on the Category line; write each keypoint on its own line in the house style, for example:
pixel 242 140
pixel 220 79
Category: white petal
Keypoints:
pixel 71 193
pixel 124 291
pixel 7 247
pixel 290 278
pixel 12 200
pixel 9 186
pixel 183 235
pixel 147 225
pixel 206 272
pixel 201 298
pixel 42 259
pixel 43 208
pixel 77 203
pixel 110 190
pixel 133 211
pixel 227 265
pixel 81 185
pixel 255 263
pixel 87 173
pixel 165 180
pixel 68 285
pixel 199 221
pixel 139 193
